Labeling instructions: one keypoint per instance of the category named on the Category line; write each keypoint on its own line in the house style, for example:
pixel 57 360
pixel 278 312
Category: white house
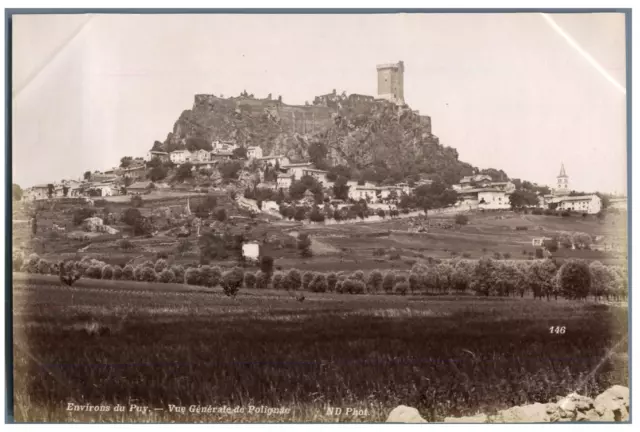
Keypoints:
pixel 104 188
pixel 493 199
pixel 163 156
pixel 284 181
pixel 251 251
pixel 319 175
pixel 199 156
pixel 223 146
pixel 254 152
pixel 179 156
pixel 590 204
pixel 296 168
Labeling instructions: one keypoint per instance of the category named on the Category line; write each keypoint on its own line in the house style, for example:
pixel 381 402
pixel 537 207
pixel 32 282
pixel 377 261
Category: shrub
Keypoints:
pixel 340 287
pixel 166 276
pixel 358 287
pixel 44 267
pixel 549 212
pixel 231 281
pixel 17 261
pixel 249 280
pixel 125 244
pixel 79 215
pixel 332 280
pixel 316 215
pixel 551 245
pixel 192 276
pixel 539 253
pixel 210 276
pixel 304 245
pixel 522 228
pixel 178 272
pixel 566 213
pixel 401 288
pixel 107 272
pixel 278 281
pixel 506 255
pixel 358 275
pixel 293 280
pixel 497 255
pixel 388 282
pixel 128 273
pixel 31 264
pixel 536 211
pixel 148 274
pixel 262 279
pixel 414 282
pixel 574 279
pixel 148 264
pixel 374 282
pixel 318 284
pixel 379 252
pixel 461 219
pixel 117 273
pixel 394 255
pixel 306 280
pixel 160 265
pixel 467 255
pixel 93 272
pixel 381 213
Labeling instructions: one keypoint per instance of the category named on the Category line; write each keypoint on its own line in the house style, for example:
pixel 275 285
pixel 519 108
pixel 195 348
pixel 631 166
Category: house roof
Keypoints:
pixel 297 164
pixel 140 185
pixel 478 190
pixel 285 175
pixel 576 198
pixel 272 157
pixel 316 170
pixel 253 147
pixel 181 151
pixel 158 152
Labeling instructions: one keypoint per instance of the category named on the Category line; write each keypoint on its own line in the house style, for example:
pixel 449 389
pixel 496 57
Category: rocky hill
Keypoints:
pixel 360 133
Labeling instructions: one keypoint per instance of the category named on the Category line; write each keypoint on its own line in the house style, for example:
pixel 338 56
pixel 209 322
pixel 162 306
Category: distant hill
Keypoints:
pixel 373 136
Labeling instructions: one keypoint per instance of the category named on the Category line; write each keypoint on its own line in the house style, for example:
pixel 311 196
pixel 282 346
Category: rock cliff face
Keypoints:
pixel 358 133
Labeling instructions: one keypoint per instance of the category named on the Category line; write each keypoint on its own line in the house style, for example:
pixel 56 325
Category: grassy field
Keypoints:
pixel 152 345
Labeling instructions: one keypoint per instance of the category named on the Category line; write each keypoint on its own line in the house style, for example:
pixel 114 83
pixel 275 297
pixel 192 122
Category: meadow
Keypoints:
pixel 152 344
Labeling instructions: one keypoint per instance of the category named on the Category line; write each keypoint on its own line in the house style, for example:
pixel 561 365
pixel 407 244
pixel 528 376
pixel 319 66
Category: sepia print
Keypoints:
pixel 250 218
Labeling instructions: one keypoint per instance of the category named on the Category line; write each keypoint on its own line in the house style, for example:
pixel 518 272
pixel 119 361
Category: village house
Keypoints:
pixel 479 179
pixel 618 203
pixel 134 172
pixel 221 155
pixel 254 152
pixel 163 156
pixel 199 155
pixel 218 146
pixel 284 181
pixel 590 204
pixel 251 251
pixel 296 168
pixel 271 160
pixel 319 175
pixel 37 192
pixel 140 188
pixel 179 156
pixel 106 189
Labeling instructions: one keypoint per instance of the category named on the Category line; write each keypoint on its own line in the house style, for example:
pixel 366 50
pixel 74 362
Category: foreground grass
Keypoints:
pixel 158 345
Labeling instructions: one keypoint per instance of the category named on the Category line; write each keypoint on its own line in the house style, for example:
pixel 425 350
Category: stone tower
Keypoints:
pixel 391 82
pixel 562 187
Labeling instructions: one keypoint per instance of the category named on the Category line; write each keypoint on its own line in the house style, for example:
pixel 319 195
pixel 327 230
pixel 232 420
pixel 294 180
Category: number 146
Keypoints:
pixel 557 330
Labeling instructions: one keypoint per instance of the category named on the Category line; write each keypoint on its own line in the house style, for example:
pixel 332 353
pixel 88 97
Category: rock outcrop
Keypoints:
pixel 610 406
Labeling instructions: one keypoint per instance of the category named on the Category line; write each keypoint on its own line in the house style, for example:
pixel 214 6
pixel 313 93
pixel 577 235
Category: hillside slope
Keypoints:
pixel 374 135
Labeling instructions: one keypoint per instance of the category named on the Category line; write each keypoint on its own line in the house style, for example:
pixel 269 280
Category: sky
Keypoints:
pixel 508 91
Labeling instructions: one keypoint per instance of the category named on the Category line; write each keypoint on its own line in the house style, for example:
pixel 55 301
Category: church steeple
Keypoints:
pixel 562 171
pixel 563 181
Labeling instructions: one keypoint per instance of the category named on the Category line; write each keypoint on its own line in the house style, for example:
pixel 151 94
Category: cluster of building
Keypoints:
pixel 481 192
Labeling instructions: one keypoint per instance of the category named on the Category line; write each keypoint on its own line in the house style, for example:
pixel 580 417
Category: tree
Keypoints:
pixel 297 190
pixel 50 190
pixel 230 170
pixel 239 153
pixel 65 190
pixel 16 192
pixel 461 219
pixel 158 173
pixel 521 199
pixel 374 282
pixel 299 214
pixel 212 246
pixel 231 281
pixel 341 188
pixel 317 154
pixel 484 277
pixel 540 278
pixel 304 245
pixel 293 280
pixel 388 282
pixel 198 143
pixel 129 217
pixel 221 215
pixel 125 162
pixel 574 279
pixel 184 171
pixel 87 175
pixel 266 264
